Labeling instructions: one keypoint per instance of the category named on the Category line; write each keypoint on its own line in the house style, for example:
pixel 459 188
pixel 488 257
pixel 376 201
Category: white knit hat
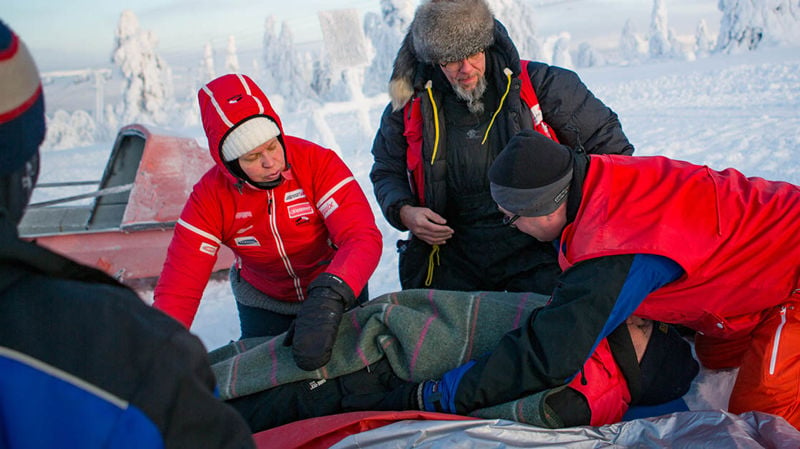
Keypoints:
pixel 248 135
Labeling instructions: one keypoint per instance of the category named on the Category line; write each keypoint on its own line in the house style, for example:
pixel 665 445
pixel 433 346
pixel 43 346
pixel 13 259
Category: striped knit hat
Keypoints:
pixel 22 122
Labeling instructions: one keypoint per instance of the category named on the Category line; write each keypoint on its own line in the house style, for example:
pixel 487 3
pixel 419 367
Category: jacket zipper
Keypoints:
pixel 776 342
pixel 273 224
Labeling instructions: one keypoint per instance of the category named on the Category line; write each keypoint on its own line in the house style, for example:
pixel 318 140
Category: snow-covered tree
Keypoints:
pixel 255 69
pixel 679 49
pixel 519 19
pixel 321 78
pixel 148 78
pixel 747 24
pixel 561 56
pixel 631 46
pixel 659 44
pixel 282 71
pixel 208 70
pixel 385 31
pixel 69 130
pixel 589 57
pixel 703 42
pixel 231 58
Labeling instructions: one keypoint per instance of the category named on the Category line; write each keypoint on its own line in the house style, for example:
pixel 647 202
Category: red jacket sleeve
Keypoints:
pixel 191 256
pixel 349 219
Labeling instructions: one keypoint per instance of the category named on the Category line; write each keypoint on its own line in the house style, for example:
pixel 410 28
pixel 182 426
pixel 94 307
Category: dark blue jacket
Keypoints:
pixel 85 363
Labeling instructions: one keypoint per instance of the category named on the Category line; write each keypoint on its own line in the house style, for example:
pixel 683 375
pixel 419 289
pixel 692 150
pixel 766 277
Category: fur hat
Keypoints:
pixel 442 31
pixel 451 30
pixel 22 121
pixel 531 176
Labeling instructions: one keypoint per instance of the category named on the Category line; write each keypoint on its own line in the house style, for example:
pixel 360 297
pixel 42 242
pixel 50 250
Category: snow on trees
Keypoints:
pixel 231 57
pixel 703 42
pixel 658 38
pixel 519 19
pixel 283 72
pixel 631 46
pixel 209 72
pixel 385 31
pixel 588 56
pixel 148 77
pixel 747 24
pixel 561 56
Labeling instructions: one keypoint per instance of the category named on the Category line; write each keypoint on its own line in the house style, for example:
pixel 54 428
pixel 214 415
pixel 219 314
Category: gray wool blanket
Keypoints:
pixel 422 333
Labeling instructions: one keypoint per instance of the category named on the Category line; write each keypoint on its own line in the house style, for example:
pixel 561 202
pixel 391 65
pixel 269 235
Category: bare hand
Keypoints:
pixel 426 224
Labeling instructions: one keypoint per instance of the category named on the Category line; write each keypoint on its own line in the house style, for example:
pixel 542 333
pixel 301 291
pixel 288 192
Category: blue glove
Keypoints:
pixel 439 395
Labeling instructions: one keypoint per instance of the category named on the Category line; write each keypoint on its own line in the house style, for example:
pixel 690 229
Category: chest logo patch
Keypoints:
pixel 328 207
pixel 247 241
pixel 294 195
pixel 297 210
pixel 244 214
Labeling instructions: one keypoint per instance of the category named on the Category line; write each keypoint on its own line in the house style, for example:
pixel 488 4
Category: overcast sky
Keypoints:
pixel 80 33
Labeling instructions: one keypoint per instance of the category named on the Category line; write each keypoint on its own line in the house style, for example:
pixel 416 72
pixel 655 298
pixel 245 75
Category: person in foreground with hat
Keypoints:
pixel 459 92
pixel 301 229
pixel 84 362
pixel 668 240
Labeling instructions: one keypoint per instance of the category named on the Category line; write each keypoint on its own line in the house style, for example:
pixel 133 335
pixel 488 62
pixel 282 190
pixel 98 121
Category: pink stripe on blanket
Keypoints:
pixel 476 305
pixel 520 309
pixel 423 333
pixel 273 355
pixel 359 351
pixel 234 370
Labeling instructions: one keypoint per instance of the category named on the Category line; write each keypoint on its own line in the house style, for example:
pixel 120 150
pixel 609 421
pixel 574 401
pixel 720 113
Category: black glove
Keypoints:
pixel 314 330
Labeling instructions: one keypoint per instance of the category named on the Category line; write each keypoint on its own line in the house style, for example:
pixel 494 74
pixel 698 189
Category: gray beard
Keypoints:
pixel 473 97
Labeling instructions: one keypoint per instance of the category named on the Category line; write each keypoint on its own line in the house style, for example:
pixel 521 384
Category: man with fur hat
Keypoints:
pixel 84 362
pixel 459 92
pixel 714 251
pixel 299 224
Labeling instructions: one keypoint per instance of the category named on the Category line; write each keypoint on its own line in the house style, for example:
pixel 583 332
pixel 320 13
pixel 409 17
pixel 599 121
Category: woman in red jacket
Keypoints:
pixel 299 224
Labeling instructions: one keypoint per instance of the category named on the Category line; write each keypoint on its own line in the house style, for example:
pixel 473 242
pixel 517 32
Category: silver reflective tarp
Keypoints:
pixel 706 429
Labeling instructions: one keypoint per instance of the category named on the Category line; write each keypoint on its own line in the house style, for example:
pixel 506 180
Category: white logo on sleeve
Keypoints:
pixel 328 207
pixel 208 248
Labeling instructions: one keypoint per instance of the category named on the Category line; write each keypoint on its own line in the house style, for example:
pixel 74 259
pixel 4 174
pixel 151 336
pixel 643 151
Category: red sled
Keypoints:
pixel 325 431
pixel 126 229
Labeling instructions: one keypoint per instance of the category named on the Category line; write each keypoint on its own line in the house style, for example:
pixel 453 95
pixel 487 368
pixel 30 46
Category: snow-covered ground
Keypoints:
pixel 740 111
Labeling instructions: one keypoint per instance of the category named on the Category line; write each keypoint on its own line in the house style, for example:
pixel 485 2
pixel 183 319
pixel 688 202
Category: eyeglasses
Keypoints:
pixel 509 220
pixel 454 66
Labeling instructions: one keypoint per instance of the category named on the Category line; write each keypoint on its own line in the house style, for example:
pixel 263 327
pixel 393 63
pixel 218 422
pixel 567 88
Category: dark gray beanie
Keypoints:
pixel 531 176
pixel 451 30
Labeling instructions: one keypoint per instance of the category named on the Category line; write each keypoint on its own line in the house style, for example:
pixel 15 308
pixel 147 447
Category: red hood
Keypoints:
pixel 225 103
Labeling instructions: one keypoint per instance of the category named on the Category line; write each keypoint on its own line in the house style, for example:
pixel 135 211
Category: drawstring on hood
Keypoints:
pixel 507 72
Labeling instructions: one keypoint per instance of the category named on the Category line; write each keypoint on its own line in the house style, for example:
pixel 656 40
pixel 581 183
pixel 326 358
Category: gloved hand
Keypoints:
pixel 314 330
